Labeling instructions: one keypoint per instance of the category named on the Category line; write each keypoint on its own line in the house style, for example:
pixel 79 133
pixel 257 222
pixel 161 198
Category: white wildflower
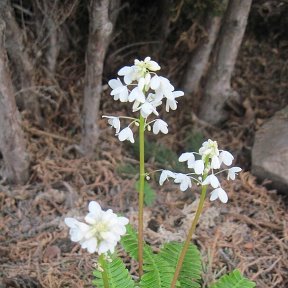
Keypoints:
pixel 114 122
pixel 183 180
pixel 160 125
pixel 212 180
pixel 226 157
pixel 102 231
pixel 232 172
pixel 219 193
pixel 120 91
pixel 189 157
pixel 126 134
pixel 165 174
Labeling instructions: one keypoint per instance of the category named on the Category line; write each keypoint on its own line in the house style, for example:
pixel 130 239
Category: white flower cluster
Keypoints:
pixel 210 160
pixel 146 90
pixel 102 231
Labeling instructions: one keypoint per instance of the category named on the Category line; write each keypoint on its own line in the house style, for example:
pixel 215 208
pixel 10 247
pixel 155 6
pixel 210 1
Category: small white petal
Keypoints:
pixel 126 134
pixel 165 174
pixel 215 163
pixel 199 167
pixel 232 172
pixel 219 193
pixel 226 157
pixel 125 70
pixel 211 179
pixel 184 180
pixel 160 125
pixel 155 82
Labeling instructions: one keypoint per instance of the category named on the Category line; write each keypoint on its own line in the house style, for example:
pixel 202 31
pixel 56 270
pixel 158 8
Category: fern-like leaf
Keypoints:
pixel 233 280
pixel 118 275
pixel 190 274
pixel 158 273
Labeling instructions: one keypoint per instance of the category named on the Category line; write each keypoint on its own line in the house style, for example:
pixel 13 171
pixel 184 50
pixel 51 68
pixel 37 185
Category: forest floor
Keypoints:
pixel 249 233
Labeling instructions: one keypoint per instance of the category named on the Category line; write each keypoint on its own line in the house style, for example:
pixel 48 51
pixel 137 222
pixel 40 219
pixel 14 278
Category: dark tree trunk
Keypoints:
pixel 23 63
pixel 100 29
pixel 12 142
pixel 198 64
pixel 217 88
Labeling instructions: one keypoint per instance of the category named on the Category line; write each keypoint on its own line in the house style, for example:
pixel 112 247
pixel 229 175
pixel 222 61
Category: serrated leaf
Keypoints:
pixel 233 280
pixel 158 273
pixel 190 274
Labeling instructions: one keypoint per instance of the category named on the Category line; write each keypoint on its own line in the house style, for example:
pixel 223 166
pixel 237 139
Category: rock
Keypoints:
pixel 270 151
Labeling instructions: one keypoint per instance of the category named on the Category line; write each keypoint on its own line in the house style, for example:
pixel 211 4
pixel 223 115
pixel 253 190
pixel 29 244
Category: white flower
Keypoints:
pixel 160 125
pixel 184 180
pixel 226 157
pixel 172 103
pixel 232 172
pixel 215 162
pixel 165 174
pixel 164 87
pixel 199 167
pixel 219 193
pixel 114 122
pixel 147 64
pixel 211 179
pixel 209 148
pixel 120 91
pixel 129 74
pixel 102 231
pixel 137 94
pixel 126 134
pixel 146 109
pixel 189 157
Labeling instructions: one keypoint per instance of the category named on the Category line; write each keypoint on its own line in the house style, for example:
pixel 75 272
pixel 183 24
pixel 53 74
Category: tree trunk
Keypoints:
pixel 218 88
pixel 198 65
pixel 12 143
pixel 22 61
pixel 100 29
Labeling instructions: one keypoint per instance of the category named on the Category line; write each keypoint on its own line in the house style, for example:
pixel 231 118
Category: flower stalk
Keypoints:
pixel 141 194
pixel 103 265
pixel 189 236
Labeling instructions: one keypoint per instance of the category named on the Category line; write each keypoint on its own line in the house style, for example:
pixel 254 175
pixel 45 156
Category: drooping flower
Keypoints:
pixel 120 91
pixel 219 193
pixel 126 134
pixel 189 157
pixel 100 233
pixel 165 174
pixel 232 172
pixel 212 180
pixel 160 125
pixel 183 180
pixel 114 122
pixel 226 157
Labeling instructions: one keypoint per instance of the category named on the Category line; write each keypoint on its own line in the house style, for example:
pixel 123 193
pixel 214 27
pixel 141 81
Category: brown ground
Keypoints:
pixel 250 232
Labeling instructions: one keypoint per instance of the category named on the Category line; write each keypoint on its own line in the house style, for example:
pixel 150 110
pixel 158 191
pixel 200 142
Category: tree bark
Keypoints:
pixel 100 29
pixel 218 87
pixel 198 64
pixel 23 63
pixel 12 142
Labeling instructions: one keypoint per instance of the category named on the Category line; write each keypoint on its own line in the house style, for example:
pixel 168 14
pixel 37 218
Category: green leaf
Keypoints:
pixel 158 273
pixel 117 273
pixel 190 274
pixel 233 280
pixel 149 193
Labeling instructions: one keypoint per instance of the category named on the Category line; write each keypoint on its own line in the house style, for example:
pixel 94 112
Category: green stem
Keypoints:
pixel 141 194
pixel 189 236
pixel 103 265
